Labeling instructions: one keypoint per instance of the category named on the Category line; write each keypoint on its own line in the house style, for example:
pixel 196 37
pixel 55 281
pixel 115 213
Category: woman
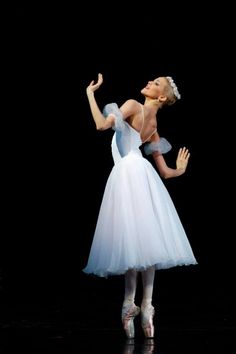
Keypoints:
pixel 138 228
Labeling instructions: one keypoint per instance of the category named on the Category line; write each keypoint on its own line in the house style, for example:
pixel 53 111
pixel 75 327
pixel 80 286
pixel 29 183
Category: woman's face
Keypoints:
pixel 154 88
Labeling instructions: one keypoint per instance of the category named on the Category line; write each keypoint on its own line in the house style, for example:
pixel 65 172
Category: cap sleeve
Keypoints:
pixel 162 146
pixel 113 109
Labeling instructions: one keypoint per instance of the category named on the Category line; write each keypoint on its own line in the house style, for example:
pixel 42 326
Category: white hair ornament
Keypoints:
pixel 174 87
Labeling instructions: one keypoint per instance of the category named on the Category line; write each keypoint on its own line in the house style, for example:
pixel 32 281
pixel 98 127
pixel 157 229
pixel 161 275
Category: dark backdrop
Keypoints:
pixel 55 163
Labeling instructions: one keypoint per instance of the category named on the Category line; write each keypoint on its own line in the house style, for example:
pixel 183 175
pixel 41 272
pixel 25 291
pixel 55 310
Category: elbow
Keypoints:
pixel 103 126
pixel 165 174
pixel 100 127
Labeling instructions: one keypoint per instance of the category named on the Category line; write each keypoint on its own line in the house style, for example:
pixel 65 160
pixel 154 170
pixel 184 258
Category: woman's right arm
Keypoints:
pixel 101 122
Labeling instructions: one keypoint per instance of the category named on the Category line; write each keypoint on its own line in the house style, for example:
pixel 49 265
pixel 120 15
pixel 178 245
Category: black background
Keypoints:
pixel 55 164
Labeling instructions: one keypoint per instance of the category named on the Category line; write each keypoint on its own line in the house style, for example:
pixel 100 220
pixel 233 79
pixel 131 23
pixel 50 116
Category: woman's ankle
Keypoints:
pixel 146 302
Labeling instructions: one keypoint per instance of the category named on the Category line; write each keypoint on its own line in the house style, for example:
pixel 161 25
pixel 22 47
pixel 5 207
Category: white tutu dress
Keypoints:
pixel 138 225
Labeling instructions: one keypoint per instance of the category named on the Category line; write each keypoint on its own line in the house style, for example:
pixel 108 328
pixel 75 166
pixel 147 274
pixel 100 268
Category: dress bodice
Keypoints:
pixel 124 142
pixel 125 139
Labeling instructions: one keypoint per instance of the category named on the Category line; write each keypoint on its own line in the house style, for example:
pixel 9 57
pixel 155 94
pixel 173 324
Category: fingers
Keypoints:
pixel 99 81
pixel 179 153
pixel 184 153
pixel 100 78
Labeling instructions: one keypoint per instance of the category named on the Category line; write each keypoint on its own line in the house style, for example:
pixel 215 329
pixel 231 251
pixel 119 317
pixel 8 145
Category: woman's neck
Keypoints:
pixel 153 105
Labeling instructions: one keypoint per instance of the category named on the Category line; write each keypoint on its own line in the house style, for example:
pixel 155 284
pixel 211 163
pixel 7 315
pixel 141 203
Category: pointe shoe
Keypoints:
pixel 147 314
pixel 129 312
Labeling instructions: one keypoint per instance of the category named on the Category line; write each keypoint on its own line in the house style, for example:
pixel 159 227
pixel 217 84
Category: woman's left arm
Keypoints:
pixel 157 147
pixel 181 163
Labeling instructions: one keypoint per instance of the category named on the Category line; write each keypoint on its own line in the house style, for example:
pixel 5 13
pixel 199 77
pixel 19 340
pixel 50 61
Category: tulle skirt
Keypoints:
pixel 137 225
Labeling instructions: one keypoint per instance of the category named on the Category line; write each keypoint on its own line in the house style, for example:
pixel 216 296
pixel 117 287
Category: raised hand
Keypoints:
pixel 182 159
pixel 94 86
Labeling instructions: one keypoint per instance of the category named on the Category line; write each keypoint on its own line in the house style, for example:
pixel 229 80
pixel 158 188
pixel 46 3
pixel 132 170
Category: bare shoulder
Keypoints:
pixel 129 108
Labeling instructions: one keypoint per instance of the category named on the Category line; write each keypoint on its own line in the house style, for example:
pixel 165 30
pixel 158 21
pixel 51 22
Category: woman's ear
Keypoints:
pixel 162 98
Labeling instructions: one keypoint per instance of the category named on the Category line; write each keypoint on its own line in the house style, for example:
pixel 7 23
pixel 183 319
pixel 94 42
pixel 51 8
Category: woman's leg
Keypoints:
pixel 130 286
pixel 147 310
pixel 129 309
pixel 148 276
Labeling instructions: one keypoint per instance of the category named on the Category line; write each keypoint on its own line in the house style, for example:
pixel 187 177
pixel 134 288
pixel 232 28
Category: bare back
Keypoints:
pixel 141 120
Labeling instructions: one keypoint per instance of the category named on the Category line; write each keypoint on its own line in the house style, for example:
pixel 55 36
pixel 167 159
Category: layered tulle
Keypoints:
pixel 137 225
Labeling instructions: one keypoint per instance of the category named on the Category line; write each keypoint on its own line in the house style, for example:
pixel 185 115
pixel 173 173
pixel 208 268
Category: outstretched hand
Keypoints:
pixel 92 86
pixel 182 159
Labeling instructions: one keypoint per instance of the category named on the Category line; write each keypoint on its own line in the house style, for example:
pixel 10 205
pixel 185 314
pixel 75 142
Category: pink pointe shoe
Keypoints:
pixel 129 312
pixel 147 314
